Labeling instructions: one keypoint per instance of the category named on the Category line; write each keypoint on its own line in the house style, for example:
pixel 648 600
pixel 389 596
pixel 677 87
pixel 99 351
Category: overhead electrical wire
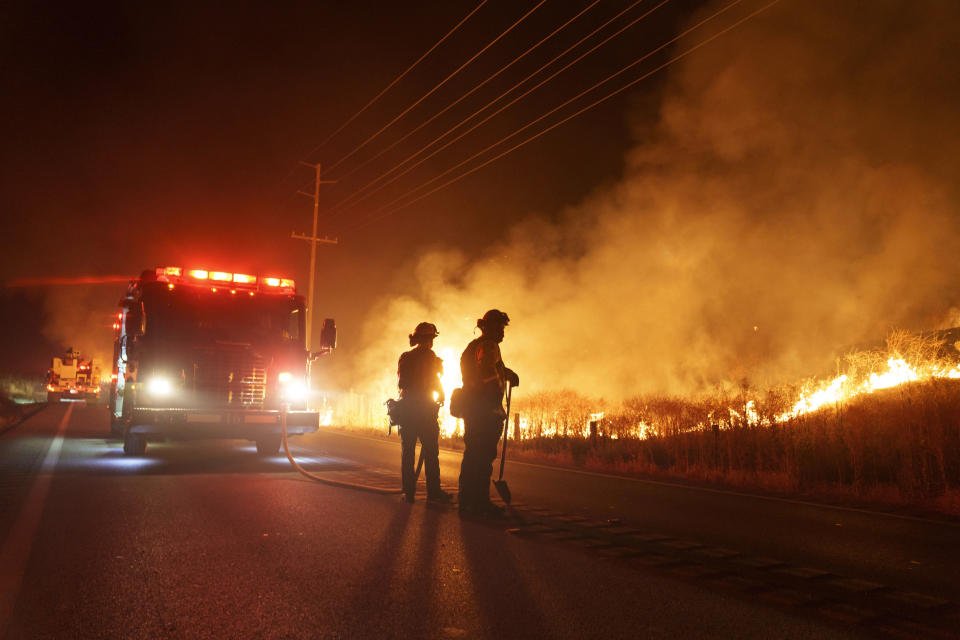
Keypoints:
pixel 437 86
pixel 386 211
pixel 384 90
pixel 466 95
pixel 558 107
pixel 396 80
pixel 357 196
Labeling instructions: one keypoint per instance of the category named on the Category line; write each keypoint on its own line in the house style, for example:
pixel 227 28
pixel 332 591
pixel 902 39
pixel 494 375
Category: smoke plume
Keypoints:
pixel 82 317
pixel 796 195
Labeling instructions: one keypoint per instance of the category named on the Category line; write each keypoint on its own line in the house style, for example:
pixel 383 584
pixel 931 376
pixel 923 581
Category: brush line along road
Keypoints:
pixel 206 540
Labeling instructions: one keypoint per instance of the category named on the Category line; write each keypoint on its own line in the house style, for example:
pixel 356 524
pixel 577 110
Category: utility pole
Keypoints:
pixel 314 241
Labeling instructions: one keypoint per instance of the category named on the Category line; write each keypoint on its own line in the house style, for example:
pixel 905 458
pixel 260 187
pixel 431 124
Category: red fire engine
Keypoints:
pixel 211 354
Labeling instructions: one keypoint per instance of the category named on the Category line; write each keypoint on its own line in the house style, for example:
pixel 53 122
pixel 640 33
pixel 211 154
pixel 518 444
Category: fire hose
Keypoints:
pixel 327 481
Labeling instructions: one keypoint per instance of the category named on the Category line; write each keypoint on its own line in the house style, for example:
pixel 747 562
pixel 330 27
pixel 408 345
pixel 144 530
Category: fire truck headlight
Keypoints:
pixel 296 391
pixel 159 386
pixel 291 389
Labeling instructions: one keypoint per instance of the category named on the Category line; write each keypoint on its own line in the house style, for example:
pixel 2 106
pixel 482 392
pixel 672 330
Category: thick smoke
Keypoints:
pixel 794 198
pixel 82 317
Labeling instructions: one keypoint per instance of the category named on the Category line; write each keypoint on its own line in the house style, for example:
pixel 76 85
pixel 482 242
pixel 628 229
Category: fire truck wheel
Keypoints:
pixel 268 446
pixel 134 444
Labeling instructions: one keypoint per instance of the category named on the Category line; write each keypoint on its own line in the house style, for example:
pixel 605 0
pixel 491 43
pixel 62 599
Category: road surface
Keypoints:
pixel 206 540
pixel 907 552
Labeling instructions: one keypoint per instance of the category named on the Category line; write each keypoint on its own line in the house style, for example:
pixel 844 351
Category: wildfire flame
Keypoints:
pixel 898 372
pixel 449 381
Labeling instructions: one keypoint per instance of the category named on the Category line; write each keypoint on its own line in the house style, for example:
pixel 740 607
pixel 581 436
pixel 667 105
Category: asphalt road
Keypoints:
pixel 911 553
pixel 206 540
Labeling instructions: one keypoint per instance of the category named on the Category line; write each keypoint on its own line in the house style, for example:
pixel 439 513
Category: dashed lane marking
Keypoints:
pixel 15 551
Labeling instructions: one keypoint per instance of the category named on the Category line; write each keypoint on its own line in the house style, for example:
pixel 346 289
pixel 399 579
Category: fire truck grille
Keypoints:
pixel 232 378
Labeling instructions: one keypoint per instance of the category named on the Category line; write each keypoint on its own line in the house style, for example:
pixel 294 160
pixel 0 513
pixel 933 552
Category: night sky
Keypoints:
pixel 138 135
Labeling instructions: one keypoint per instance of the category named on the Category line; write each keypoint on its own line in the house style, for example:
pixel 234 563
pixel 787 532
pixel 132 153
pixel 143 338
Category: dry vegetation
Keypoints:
pixel 898 446
pixel 23 389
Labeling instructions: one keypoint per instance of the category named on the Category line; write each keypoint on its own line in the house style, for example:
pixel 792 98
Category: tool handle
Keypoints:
pixel 506 424
pixel 419 465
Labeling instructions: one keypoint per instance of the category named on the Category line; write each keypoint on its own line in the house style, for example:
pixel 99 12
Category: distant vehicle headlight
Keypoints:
pixel 159 386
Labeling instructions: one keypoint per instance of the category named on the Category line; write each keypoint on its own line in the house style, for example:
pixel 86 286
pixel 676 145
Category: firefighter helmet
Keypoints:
pixel 424 330
pixel 493 318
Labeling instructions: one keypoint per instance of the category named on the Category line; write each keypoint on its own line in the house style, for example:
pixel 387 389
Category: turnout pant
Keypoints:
pixel 480 437
pixel 428 432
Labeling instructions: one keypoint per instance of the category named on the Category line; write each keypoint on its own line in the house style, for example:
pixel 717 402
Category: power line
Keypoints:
pixel 346 200
pixel 440 84
pixel 397 79
pixel 378 216
pixel 471 91
pixel 384 90
pixel 555 109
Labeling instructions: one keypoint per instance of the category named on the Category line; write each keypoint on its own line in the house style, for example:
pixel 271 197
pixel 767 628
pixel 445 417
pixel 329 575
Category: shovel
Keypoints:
pixel 501 484
pixel 416 477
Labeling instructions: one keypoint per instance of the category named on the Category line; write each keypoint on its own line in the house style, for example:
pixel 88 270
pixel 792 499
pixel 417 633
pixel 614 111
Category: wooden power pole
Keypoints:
pixel 314 241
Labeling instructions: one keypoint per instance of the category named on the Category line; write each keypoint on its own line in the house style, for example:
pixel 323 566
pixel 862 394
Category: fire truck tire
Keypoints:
pixel 116 427
pixel 134 444
pixel 269 446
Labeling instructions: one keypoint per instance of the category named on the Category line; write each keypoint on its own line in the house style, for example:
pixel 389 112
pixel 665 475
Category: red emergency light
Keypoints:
pixel 173 275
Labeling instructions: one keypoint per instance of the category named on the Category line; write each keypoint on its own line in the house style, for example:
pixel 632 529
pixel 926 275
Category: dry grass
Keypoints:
pixel 897 447
pixel 23 389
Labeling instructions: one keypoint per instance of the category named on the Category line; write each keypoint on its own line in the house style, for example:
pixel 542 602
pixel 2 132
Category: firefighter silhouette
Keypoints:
pixel 484 379
pixel 421 396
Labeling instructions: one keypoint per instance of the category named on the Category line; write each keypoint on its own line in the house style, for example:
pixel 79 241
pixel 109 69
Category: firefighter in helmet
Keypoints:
pixel 484 380
pixel 421 393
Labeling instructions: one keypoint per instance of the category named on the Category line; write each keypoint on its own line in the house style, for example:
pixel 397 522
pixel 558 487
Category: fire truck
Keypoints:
pixel 70 377
pixel 211 354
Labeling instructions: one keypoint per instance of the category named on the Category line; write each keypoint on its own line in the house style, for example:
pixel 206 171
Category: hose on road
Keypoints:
pixel 327 481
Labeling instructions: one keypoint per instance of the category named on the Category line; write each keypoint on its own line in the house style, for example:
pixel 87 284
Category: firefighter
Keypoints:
pixel 421 395
pixel 484 380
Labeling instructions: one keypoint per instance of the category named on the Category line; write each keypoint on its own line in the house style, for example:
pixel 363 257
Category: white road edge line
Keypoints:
pixel 677 485
pixel 15 552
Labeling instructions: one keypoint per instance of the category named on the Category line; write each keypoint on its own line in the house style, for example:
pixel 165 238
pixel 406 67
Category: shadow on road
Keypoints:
pixel 379 591
pixel 504 605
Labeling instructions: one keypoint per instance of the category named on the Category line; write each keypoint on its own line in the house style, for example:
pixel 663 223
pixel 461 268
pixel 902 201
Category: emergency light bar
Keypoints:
pixel 174 275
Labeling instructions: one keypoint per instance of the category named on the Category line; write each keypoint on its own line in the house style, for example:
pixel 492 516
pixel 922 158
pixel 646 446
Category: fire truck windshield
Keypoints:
pixel 199 316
